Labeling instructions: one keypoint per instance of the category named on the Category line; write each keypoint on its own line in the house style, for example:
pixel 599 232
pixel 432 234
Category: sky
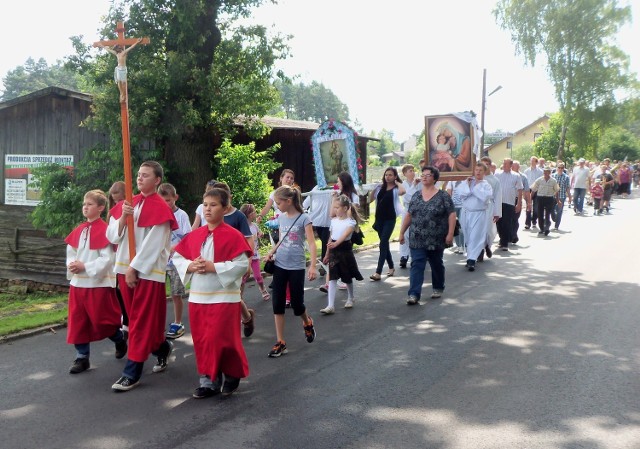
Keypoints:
pixel 391 63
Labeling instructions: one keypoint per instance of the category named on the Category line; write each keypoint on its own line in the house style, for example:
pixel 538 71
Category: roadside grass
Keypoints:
pixel 19 312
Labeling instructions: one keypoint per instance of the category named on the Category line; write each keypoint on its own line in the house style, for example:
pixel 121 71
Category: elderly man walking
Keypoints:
pixel 581 182
pixel 547 190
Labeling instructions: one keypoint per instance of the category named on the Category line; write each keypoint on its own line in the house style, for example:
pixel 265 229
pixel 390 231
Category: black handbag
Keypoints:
pixel 269 266
pixel 456 229
pixel 357 237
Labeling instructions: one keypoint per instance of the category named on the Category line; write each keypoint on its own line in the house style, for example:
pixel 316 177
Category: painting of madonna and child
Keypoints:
pixel 450 144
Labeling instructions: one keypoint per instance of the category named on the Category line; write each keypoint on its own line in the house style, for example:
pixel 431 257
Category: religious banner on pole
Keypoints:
pixel 334 151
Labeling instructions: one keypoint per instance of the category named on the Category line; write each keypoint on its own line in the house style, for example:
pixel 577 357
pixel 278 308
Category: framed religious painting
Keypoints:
pixel 334 151
pixel 450 142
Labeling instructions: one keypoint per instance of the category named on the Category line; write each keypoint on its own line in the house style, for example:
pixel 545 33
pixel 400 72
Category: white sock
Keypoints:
pixel 350 291
pixel 331 295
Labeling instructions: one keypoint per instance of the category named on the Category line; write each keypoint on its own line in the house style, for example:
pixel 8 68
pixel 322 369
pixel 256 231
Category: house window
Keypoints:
pixel 536 135
pixel 509 145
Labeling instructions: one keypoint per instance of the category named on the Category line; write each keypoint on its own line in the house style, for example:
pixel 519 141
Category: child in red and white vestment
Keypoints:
pixel 214 258
pixel 94 312
pixel 142 280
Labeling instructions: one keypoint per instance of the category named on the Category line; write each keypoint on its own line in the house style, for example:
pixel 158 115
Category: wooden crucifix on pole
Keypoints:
pixel 118 47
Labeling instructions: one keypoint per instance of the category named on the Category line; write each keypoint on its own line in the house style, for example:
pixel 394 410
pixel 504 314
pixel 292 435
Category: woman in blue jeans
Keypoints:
pixel 431 220
pixel 388 207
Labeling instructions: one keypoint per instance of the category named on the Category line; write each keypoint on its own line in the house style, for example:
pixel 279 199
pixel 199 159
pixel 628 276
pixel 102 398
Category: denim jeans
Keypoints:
pixel 133 370
pixel 83 350
pixel 384 234
pixel 578 198
pixel 559 208
pixel 419 258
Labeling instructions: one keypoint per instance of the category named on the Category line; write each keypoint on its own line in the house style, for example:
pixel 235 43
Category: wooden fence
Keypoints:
pixel 28 255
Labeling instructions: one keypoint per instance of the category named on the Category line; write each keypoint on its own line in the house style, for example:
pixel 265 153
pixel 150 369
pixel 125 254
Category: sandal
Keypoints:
pixel 265 295
pixel 391 272
pixel 375 277
pixel 249 325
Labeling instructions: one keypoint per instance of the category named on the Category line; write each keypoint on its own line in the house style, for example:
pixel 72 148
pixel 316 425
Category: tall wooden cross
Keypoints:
pixel 118 47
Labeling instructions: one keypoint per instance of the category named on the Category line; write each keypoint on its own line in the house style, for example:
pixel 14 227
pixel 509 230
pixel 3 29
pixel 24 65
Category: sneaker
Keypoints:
pixel 403 262
pixel 327 311
pixel 121 349
pixel 349 304
pixel 324 288
pixel 309 331
pixel 287 304
pixel 176 330
pixel 125 384
pixel 79 365
pixel 436 294
pixel 230 385
pixel 342 285
pixel 412 300
pixel 278 349
pixel 249 326
pixel 204 392
pixel 163 360
pixel 533 226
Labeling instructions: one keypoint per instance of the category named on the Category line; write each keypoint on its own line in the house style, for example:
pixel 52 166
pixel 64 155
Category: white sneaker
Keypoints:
pixel 349 303
pixel 328 311
pixel 342 285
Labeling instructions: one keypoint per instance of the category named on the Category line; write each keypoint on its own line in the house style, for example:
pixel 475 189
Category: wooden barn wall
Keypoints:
pixel 27 254
pixel 46 125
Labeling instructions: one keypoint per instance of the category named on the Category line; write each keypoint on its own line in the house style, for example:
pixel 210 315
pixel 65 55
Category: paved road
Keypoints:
pixel 539 348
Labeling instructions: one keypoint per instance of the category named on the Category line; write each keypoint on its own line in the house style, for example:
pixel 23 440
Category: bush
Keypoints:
pixel 246 171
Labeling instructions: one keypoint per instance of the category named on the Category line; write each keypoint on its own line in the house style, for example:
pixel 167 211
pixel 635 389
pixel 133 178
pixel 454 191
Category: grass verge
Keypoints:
pixel 20 312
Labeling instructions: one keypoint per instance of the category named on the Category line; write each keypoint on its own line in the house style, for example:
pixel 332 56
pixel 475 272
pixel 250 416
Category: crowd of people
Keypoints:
pixel 117 283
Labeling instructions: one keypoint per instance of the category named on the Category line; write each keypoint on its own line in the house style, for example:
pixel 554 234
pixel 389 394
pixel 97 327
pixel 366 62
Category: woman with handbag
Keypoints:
pixel 388 207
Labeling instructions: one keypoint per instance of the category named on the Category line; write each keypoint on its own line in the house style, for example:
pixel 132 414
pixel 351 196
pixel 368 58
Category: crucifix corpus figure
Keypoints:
pixel 118 47
pixel 120 73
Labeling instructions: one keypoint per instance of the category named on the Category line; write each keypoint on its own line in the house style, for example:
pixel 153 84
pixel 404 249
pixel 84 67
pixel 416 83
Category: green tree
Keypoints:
pixel 385 145
pixel 33 76
pixel 523 153
pixel 619 144
pixel 546 145
pixel 246 171
pixel 576 39
pixel 313 102
pixel 201 75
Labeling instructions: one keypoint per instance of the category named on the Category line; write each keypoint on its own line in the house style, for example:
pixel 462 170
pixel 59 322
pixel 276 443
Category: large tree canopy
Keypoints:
pixel 313 102
pixel 577 40
pixel 200 74
pixel 34 76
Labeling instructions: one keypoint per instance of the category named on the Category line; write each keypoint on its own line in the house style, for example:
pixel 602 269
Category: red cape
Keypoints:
pixel 154 212
pixel 228 243
pixel 98 234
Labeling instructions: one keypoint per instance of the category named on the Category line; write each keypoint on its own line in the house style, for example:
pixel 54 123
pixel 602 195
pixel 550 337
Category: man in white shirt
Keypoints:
pixel 511 185
pixel 581 182
pixel 532 173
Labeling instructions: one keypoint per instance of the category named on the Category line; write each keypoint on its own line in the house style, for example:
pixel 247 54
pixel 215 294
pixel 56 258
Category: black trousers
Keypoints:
pixel 505 224
pixel 532 216
pixel 545 208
